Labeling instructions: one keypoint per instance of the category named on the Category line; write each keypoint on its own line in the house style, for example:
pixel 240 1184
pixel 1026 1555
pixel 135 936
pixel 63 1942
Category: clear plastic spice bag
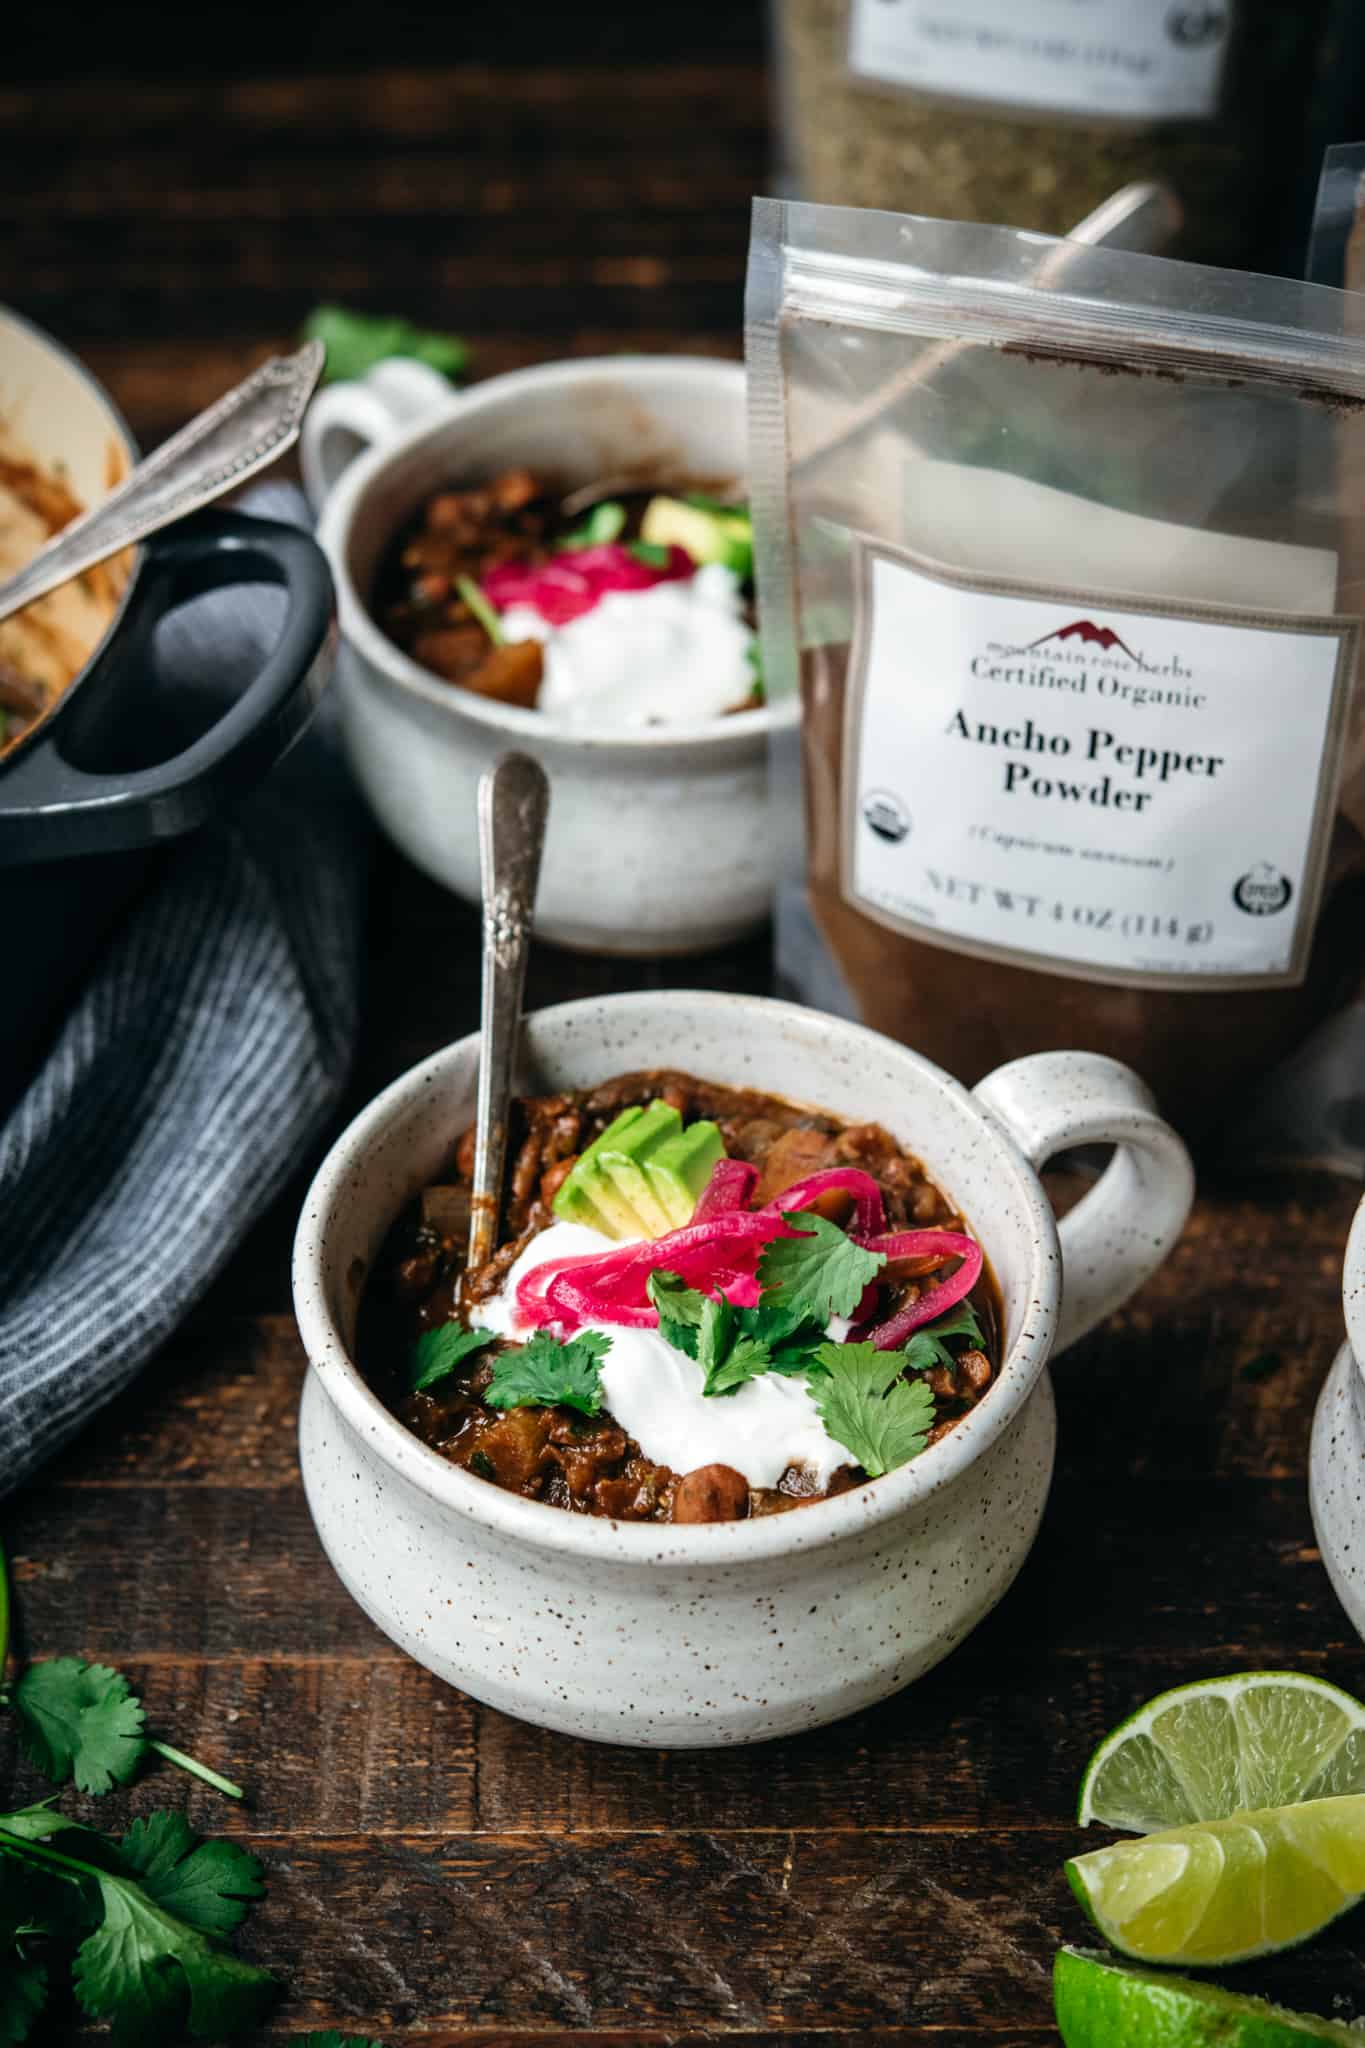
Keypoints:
pixel 1060 552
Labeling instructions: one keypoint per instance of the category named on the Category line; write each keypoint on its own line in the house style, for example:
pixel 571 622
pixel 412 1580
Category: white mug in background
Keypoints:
pixel 660 838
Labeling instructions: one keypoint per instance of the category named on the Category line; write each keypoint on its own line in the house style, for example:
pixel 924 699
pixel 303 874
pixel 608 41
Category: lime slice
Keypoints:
pixel 1220 1891
pixel 1262 1738
pixel 1102 2004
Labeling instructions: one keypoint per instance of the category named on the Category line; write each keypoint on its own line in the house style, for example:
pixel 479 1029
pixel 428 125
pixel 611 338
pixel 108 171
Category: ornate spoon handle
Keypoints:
pixel 514 801
pixel 236 437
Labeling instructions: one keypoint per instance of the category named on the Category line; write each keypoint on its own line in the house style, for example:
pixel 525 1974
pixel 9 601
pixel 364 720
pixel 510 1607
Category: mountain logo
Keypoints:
pixel 1088 633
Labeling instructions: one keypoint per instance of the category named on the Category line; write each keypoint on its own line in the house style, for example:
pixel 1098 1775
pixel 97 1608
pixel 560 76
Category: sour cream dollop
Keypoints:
pixel 655 1391
pixel 673 654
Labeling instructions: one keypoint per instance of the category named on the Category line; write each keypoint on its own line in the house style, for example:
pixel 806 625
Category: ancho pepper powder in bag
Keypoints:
pixel 1060 552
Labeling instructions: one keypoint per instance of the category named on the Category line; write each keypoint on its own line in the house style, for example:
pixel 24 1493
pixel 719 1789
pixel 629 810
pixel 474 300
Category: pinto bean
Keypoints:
pixel 975 1368
pixel 553 1179
pixel 712 1493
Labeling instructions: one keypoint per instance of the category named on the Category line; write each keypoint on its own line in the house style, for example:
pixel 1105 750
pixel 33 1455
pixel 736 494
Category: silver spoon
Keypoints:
pixel 237 436
pixel 514 802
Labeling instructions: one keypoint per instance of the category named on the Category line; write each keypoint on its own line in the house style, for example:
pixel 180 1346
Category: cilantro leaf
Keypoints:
pixel 546 1373
pixel 680 1309
pixel 79 1720
pixel 744 1361
pixel 355 342
pixel 880 1419
pixel 437 1353
pixel 823 1272
pixel 23 1994
pixel 154 1950
pixel 711 1331
pixel 789 1334
pixel 208 1884
pixel 38 1823
pixel 927 1349
pixel 139 1964
pixel 727 1360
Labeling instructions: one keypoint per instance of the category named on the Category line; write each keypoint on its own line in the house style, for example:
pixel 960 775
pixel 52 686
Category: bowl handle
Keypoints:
pixel 1124 1227
pixel 346 419
pixel 52 808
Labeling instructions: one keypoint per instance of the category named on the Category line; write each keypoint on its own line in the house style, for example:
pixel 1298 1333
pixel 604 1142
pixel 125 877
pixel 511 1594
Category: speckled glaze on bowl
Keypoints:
pixel 1336 1463
pixel 732 1632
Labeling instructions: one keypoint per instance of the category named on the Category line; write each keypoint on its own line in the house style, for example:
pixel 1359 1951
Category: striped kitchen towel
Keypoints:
pixel 192 1074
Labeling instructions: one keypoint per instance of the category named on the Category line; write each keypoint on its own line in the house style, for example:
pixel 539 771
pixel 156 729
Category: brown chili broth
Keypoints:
pixel 555 1455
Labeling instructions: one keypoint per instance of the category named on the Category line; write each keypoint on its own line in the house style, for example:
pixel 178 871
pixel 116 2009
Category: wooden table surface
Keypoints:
pixel 439 1873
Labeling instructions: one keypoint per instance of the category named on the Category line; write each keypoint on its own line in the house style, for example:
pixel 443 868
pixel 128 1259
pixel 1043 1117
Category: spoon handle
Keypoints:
pixel 238 435
pixel 514 800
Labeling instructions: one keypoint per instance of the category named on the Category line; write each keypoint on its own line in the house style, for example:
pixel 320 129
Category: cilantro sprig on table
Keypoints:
pixel 84 1721
pixel 355 342
pixel 143 1921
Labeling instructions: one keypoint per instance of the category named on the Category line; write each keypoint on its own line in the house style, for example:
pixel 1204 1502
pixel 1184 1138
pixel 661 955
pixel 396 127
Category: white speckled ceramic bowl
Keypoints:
pixel 692 851
pixel 1336 1465
pixel 731 1632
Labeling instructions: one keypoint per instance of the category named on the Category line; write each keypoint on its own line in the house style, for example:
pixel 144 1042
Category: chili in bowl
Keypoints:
pixel 645 1628
pixel 707 1303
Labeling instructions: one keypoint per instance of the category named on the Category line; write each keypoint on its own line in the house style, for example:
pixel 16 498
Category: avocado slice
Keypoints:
pixel 606 1183
pixel 574 1203
pixel 708 533
pixel 623 1163
pixel 679 1168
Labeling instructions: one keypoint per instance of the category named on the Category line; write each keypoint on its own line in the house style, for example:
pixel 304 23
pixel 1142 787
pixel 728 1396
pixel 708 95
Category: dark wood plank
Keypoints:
pixel 557 183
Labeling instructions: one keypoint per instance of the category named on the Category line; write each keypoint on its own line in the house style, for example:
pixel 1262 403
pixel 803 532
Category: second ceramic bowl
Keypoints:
pixel 660 839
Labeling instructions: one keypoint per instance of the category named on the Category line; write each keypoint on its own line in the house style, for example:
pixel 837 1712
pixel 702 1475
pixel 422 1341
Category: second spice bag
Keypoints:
pixel 1060 552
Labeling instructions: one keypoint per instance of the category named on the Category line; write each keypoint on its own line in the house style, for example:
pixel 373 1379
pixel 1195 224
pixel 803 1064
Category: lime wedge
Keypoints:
pixel 1262 1738
pixel 1220 1891
pixel 1102 2004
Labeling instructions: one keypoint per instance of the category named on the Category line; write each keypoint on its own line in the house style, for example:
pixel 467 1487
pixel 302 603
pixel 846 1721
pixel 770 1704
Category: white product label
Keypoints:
pixel 1130 795
pixel 1136 60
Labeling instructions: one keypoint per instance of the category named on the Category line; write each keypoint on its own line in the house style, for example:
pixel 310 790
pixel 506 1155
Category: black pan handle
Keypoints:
pixel 51 809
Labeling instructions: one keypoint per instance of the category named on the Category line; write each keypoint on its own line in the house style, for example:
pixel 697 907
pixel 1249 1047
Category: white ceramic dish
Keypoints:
pixel 1336 1463
pixel 660 840
pixel 725 1633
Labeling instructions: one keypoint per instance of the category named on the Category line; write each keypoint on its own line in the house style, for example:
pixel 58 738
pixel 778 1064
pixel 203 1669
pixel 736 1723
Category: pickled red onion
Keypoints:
pixel 730 1186
pixel 892 1334
pixel 611 1286
pixel 869 1214
pixel 571 583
